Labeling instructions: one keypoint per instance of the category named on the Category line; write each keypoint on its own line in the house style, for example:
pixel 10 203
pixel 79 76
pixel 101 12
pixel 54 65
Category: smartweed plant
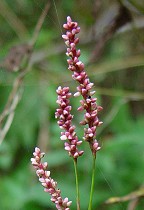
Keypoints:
pixel 63 114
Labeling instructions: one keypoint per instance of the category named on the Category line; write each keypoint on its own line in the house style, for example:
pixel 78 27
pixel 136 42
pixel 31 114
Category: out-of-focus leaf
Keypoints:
pixel 57 158
pixel 6 156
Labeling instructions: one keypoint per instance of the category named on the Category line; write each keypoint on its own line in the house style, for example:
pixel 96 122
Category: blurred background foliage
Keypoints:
pixel 112 48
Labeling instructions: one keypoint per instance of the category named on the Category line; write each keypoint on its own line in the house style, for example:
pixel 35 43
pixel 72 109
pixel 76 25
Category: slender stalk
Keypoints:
pixel 77 185
pixel 92 183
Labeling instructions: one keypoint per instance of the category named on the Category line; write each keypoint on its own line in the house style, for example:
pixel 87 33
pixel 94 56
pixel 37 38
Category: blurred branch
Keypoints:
pixel 138 5
pixel 8 107
pixel 13 20
pixel 39 24
pixel 138 23
pixel 128 95
pixel 10 117
pixel 118 64
pixel 13 98
pixel 129 197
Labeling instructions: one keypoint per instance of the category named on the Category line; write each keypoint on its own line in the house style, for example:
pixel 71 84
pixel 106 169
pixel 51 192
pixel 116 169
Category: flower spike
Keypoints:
pixel 65 123
pixel 88 103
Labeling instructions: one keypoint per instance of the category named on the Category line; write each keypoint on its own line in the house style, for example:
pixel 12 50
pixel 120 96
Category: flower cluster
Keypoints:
pixel 77 67
pixel 65 122
pixel 47 182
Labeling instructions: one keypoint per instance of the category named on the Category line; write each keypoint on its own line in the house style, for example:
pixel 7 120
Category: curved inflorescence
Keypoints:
pixel 88 103
pixel 47 182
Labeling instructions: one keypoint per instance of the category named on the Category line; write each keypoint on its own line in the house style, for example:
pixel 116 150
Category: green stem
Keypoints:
pixel 92 183
pixel 77 185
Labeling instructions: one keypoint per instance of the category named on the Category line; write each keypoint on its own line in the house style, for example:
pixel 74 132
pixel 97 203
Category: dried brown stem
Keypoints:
pixel 40 23
pixel 120 20
pixel 13 99
pixel 133 204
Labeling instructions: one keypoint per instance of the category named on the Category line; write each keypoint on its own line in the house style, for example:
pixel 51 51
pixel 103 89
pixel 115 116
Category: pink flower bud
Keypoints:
pixel 65 26
pixel 65 37
pixel 76 94
pixel 63 137
pixel 76 40
pixel 69 19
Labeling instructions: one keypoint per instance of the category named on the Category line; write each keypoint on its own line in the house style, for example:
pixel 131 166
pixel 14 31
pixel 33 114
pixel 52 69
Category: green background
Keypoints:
pixel 118 74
